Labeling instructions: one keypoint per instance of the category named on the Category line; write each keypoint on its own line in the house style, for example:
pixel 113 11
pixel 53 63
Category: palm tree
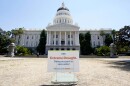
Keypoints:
pixel 102 33
pixel 8 33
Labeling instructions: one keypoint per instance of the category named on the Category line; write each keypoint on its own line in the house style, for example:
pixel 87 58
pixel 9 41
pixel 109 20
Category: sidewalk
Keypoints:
pixel 2 58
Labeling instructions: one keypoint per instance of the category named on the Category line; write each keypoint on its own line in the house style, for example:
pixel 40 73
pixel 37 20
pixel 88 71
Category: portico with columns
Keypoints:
pixel 62 34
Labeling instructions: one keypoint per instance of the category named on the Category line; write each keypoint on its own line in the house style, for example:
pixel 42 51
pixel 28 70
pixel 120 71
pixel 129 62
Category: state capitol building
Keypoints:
pixel 63 34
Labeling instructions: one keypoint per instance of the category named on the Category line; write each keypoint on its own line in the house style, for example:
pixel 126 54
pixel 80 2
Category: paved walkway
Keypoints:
pixel 93 72
pixel 8 58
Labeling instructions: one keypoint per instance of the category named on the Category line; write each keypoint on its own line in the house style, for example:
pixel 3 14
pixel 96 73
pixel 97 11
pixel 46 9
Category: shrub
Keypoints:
pixel 103 51
pixel 122 50
pixel 22 51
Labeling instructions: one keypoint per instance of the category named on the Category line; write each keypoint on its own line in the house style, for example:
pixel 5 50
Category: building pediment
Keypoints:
pixel 62 27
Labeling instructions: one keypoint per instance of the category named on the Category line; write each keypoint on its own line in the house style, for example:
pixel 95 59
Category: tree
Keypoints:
pixel 22 50
pixel 108 40
pixel 88 43
pixel 81 37
pixel 123 39
pixel 123 36
pixel 42 43
pixel 17 32
pixel 102 33
pixel 103 51
pixel 8 33
pixel 5 40
pixel 85 43
pixel 83 47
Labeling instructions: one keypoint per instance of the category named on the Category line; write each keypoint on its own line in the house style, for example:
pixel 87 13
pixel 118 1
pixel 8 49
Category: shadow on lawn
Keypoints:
pixel 123 65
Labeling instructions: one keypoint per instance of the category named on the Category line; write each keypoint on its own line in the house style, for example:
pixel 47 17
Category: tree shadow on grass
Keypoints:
pixel 123 65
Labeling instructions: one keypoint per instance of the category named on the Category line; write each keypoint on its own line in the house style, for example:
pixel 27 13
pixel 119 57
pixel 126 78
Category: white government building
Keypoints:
pixel 62 34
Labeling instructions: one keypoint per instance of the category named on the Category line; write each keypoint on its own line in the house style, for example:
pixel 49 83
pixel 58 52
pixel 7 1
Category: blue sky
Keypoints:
pixel 89 14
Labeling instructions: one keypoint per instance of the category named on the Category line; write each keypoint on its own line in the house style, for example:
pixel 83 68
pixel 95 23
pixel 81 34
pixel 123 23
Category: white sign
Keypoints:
pixel 63 61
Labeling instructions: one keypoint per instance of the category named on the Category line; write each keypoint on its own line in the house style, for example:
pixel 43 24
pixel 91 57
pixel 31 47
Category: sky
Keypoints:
pixel 89 14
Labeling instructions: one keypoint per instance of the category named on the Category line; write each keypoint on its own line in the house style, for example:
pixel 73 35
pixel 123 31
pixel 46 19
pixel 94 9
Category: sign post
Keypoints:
pixel 64 64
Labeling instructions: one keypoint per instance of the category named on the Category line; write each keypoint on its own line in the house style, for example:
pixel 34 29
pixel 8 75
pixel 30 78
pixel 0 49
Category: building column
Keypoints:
pixel 70 37
pixel 78 37
pixel 49 37
pixel 55 38
pixel 75 39
pixel 60 38
pixel 65 37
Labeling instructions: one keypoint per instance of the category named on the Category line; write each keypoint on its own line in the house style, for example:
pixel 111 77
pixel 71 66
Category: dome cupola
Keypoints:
pixel 63 8
pixel 63 16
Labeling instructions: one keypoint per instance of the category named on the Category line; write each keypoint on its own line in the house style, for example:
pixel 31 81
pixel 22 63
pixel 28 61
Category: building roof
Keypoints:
pixel 63 8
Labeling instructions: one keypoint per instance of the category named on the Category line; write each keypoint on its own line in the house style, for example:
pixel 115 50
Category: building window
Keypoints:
pixel 60 20
pixel 73 49
pixel 94 44
pixel 56 36
pixel 99 43
pixel 36 43
pixel 31 44
pixel 98 37
pixel 51 48
pixel 68 48
pixel 32 37
pixel 57 48
pixel 65 20
pixel 27 43
pixel 56 42
pixel 62 42
pixel 27 37
pixel 62 49
pixel 71 36
pixel 68 36
pixel 72 42
pixel 68 42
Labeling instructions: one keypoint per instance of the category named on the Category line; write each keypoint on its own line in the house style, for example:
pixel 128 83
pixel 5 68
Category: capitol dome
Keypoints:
pixel 63 16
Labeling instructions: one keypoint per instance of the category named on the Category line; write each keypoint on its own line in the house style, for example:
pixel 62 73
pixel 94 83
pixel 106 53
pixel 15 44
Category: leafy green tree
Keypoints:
pixel 22 51
pixel 85 43
pixel 108 40
pixel 88 43
pixel 88 37
pixel 124 36
pixel 123 39
pixel 81 37
pixel 5 40
pixel 83 47
pixel 103 51
pixel 82 43
pixel 8 33
pixel 42 43
pixel 17 32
